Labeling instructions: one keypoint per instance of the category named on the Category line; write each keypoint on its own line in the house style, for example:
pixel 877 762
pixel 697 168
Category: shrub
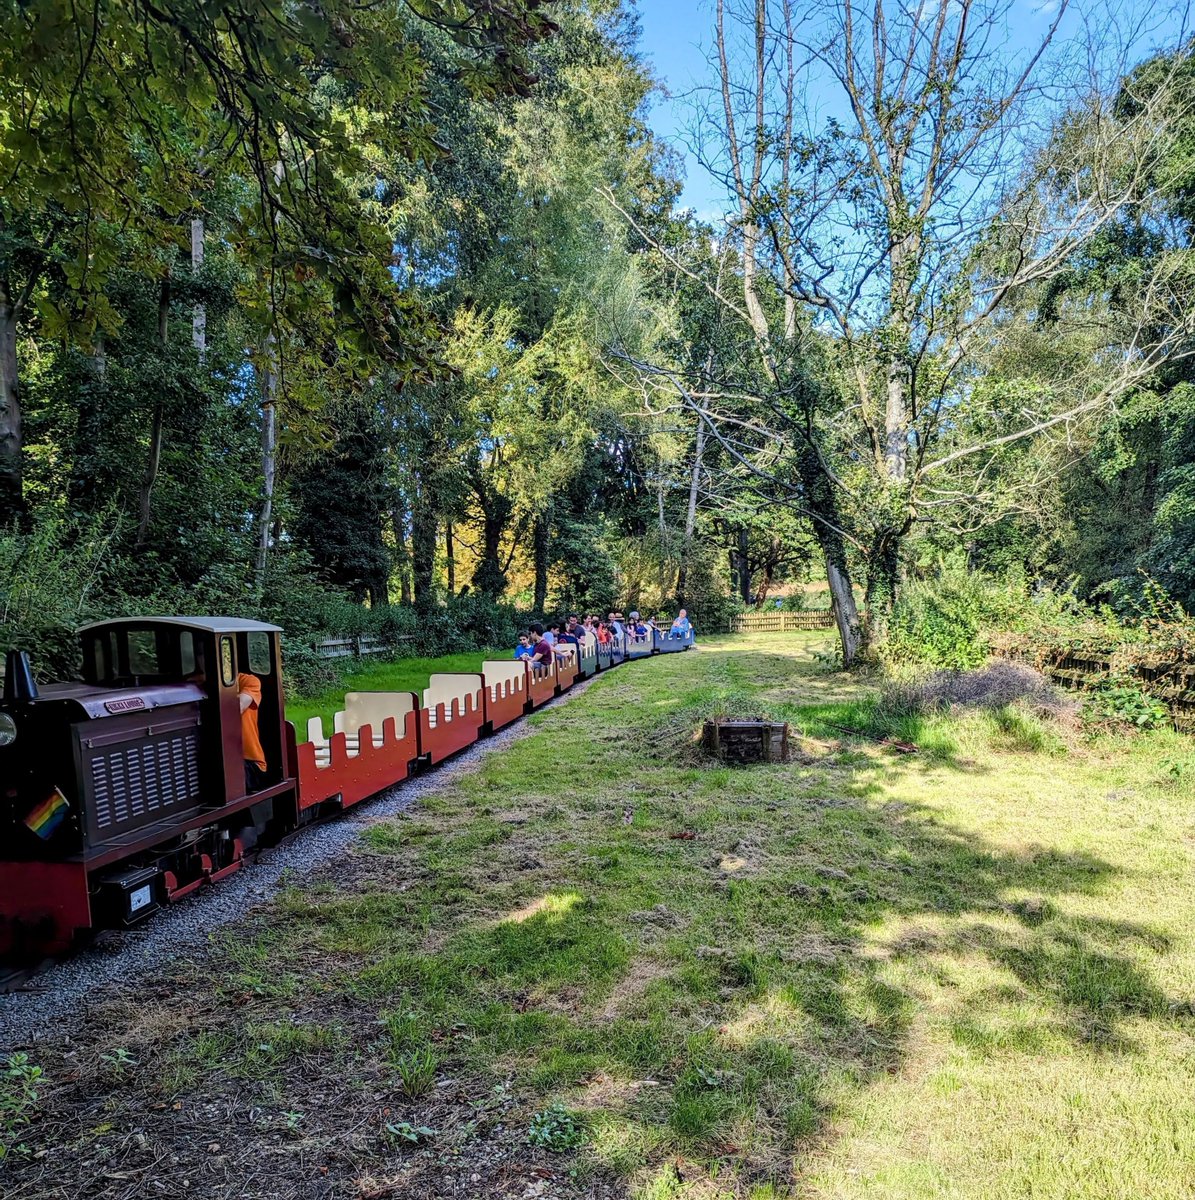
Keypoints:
pixel 1120 701
pixel 396 625
pixel 306 672
pixel 995 686
pixel 49 579
pixel 948 621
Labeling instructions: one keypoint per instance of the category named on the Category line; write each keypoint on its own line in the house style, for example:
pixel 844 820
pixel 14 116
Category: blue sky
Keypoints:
pixel 673 31
pixel 676 34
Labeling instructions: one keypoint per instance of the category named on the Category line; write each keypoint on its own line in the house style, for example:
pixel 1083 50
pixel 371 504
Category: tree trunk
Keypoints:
pixel 157 425
pixel 83 483
pixel 199 314
pixel 423 547
pixel 402 555
pixel 743 561
pixel 12 501
pixel 896 421
pixel 489 579
pixel 846 613
pixel 775 556
pixel 827 527
pixel 682 577
pixel 883 566
pixel 450 555
pixel 542 541
pixel 269 443
pixel 379 588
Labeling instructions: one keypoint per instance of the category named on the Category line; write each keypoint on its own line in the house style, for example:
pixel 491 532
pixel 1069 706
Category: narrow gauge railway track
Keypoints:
pixel 126 793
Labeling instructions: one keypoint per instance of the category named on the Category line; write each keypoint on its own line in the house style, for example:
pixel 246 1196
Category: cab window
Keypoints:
pixel 98 668
pixel 260 661
pixel 186 654
pixel 143 653
pixel 227 669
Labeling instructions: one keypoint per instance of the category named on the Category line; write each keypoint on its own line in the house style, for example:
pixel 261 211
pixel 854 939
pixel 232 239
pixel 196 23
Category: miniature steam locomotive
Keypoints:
pixel 126 791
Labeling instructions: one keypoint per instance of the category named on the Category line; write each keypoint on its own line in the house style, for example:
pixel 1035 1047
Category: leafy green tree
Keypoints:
pixel 118 116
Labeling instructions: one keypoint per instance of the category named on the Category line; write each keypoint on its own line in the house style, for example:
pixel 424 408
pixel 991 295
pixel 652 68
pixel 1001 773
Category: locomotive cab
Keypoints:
pixel 128 789
pixel 211 653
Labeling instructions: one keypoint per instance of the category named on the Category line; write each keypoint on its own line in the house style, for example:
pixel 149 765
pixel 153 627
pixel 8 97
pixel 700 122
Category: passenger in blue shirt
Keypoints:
pixel 681 626
pixel 524 649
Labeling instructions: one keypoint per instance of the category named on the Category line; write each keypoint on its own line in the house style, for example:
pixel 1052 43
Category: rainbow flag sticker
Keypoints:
pixel 48 815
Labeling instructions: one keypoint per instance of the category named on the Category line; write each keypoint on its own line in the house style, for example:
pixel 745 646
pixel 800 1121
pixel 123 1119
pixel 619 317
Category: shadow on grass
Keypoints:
pixel 721 983
pixel 704 963
pixel 747 1001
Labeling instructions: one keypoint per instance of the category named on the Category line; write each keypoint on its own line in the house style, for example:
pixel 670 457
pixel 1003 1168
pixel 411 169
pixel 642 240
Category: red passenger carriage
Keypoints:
pixel 129 789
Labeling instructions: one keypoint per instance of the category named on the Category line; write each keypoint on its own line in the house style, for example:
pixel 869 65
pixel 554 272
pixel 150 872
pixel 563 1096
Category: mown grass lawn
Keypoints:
pixel 964 973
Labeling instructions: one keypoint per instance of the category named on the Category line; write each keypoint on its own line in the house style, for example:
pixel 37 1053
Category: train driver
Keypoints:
pixel 249 695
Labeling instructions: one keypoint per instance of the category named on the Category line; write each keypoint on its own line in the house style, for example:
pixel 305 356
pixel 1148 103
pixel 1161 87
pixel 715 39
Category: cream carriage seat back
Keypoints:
pixel 444 689
pixel 501 673
pixel 361 708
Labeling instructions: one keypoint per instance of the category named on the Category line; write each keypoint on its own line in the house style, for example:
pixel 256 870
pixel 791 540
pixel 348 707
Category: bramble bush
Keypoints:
pixel 1121 701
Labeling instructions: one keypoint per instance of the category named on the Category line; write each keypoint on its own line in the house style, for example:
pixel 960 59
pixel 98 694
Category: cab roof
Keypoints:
pixel 206 624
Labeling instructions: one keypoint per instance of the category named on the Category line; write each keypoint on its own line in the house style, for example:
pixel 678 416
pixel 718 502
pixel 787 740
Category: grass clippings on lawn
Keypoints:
pixel 967 972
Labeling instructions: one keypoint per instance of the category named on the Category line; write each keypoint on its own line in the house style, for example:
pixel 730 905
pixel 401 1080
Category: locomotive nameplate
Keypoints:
pixel 128 704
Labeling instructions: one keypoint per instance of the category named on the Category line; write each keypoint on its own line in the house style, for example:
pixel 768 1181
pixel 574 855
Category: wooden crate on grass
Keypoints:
pixel 747 740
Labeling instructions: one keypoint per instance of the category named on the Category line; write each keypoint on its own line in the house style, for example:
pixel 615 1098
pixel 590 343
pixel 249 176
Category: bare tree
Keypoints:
pixel 899 175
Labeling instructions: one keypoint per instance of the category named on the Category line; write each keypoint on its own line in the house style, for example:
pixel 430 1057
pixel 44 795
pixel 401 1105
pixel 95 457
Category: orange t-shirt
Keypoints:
pixel 250 685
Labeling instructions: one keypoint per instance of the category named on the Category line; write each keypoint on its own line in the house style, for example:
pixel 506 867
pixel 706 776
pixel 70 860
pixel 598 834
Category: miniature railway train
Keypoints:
pixel 126 791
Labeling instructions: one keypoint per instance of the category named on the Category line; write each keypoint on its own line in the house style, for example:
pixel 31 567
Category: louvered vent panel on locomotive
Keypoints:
pixel 138 771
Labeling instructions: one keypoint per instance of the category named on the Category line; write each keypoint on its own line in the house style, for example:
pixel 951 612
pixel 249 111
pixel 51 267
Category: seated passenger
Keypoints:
pixel 551 633
pixel 541 652
pixel 604 634
pixel 681 626
pixel 524 649
pixel 615 625
pixel 637 629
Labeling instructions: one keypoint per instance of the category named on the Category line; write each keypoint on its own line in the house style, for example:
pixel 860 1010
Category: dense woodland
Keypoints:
pixel 388 317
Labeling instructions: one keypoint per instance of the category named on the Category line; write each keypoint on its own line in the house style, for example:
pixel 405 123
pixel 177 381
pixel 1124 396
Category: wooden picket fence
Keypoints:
pixel 779 621
pixel 1166 679
pixel 350 647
